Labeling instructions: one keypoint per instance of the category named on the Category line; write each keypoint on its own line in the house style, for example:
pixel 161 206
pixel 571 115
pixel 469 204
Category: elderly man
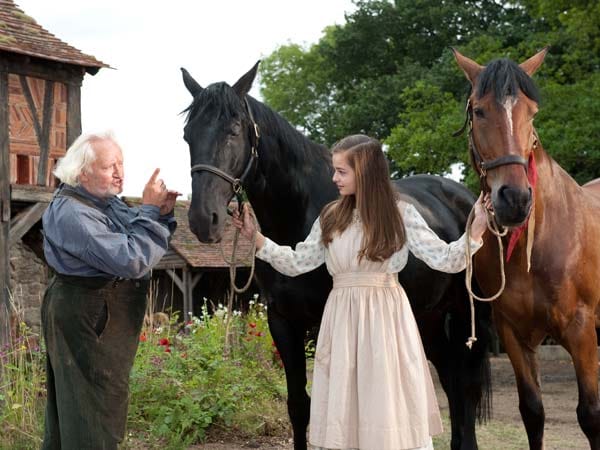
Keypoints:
pixel 101 251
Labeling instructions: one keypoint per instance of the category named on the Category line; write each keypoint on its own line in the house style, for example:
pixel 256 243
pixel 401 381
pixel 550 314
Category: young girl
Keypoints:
pixel 372 388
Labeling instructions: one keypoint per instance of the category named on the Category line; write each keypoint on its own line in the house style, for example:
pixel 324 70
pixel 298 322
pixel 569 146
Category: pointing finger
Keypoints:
pixel 154 175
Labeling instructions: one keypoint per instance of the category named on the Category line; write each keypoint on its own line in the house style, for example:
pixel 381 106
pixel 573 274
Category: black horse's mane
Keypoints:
pixel 221 100
pixel 505 78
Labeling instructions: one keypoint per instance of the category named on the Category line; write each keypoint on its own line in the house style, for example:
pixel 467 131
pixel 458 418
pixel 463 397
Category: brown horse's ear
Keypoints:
pixel 191 84
pixel 533 63
pixel 468 66
pixel 243 85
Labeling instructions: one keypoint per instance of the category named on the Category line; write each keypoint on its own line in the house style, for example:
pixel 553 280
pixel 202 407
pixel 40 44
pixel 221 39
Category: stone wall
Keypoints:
pixel 28 280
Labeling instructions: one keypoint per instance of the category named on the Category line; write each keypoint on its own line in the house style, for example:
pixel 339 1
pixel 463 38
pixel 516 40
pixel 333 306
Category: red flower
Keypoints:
pixel 163 341
pixel 260 334
pixel 252 325
pixel 167 349
pixel 143 337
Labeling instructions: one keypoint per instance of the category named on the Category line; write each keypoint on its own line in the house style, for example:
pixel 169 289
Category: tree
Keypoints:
pixel 387 72
pixel 569 128
pixel 422 141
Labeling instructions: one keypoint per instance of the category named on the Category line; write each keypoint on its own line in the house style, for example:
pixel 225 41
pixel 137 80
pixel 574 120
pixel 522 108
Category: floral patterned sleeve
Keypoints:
pixel 433 251
pixel 307 255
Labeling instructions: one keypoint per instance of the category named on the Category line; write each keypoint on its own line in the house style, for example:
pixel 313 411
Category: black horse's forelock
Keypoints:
pixel 220 99
pixel 505 78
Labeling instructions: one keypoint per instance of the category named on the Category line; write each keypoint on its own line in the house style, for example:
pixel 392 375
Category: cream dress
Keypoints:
pixel 372 389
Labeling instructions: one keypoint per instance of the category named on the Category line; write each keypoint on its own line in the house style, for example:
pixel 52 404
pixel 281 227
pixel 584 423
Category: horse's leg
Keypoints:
pixel 470 370
pixel 450 359
pixel 437 345
pixel 289 339
pixel 525 366
pixel 580 340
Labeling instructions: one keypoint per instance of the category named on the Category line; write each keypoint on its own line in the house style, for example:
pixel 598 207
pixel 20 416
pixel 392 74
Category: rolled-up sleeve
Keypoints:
pixel 79 235
pixel 129 255
pixel 307 256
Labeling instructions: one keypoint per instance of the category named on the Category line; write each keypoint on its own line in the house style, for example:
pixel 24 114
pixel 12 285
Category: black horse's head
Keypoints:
pixel 221 133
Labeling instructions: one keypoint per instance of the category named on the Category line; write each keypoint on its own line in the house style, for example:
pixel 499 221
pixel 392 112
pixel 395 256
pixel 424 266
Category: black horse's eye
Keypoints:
pixel 479 112
pixel 236 128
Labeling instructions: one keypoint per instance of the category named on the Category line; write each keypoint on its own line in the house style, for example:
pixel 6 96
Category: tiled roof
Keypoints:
pixel 196 253
pixel 20 33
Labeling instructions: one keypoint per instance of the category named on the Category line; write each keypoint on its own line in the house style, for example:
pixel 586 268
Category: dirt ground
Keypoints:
pixel 505 430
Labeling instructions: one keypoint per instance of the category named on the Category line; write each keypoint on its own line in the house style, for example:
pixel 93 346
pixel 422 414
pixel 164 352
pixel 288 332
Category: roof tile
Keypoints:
pixel 20 33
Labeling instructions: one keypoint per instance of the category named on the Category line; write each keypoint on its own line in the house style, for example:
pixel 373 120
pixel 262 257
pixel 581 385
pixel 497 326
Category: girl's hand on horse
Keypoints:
pixel 479 224
pixel 247 226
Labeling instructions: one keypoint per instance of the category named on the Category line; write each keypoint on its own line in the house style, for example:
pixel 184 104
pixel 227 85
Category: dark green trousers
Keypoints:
pixel 91 327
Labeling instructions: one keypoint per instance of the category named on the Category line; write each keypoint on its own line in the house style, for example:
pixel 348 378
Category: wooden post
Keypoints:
pixel 4 212
pixel 186 285
pixel 73 113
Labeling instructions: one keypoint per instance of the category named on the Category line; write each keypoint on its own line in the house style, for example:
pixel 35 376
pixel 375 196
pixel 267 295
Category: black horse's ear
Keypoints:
pixel 191 84
pixel 243 85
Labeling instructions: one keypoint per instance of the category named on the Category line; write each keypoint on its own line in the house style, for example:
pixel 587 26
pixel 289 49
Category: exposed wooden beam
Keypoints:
pixel 23 222
pixel 178 281
pixel 196 278
pixel 39 68
pixel 37 126
pixel 42 130
pixel 4 212
pixel 44 139
pixel 31 194
pixel 73 113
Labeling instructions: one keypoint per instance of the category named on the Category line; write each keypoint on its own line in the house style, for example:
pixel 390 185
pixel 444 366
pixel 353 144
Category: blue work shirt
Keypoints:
pixel 109 240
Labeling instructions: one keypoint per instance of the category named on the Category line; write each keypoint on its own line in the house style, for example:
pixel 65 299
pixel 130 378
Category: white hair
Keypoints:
pixel 79 156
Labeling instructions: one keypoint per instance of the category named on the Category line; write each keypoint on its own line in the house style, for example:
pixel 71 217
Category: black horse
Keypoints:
pixel 288 180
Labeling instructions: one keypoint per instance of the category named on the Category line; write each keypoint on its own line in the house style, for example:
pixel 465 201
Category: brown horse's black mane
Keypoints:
pixel 505 78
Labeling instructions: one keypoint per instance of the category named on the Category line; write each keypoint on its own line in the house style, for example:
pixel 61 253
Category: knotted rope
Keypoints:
pixel 233 288
pixel 495 230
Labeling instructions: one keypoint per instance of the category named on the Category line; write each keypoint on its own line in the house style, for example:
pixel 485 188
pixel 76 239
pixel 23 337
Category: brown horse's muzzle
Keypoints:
pixel 511 205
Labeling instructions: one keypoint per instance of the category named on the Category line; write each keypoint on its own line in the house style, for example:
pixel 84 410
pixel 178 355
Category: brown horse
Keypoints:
pixel 558 294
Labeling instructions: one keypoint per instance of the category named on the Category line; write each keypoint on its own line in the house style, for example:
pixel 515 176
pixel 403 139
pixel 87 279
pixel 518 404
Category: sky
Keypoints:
pixel 146 42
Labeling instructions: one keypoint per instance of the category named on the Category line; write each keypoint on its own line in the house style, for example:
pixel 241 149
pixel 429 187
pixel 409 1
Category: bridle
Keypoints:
pixel 482 167
pixel 237 184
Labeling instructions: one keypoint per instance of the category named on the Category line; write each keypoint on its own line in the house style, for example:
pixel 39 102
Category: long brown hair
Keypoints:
pixel 375 201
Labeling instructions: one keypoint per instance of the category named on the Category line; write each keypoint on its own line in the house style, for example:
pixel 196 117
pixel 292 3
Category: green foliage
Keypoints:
pixel 568 126
pixel 22 391
pixel 422 141
pixel 182 385
pixel 388 72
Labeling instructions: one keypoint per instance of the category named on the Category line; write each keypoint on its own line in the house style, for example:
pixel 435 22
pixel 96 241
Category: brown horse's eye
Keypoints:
pixel 479 113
